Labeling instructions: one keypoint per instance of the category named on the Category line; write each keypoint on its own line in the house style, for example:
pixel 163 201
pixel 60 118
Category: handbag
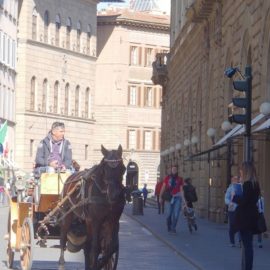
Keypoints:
pixel 167 196
pixel 261 224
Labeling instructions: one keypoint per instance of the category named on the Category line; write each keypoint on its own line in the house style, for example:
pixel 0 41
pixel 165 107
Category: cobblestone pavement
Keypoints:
pixel 139 249
pixel 206 249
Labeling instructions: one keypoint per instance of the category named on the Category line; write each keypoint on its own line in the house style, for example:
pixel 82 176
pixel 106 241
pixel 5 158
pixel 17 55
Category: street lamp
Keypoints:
pixel 172 152
pixel 226 126
pixel 194 142
pixel 211 133
pixel 265 108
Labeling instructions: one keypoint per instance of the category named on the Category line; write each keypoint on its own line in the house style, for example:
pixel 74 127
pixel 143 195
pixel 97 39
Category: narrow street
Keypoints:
pixel 139 249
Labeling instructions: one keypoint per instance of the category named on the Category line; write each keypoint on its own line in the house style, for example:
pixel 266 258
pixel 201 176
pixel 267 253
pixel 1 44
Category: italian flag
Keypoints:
pixel 4 139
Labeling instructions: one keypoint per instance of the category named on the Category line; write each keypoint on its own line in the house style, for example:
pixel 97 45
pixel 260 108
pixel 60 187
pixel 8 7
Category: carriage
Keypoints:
pixel 77 209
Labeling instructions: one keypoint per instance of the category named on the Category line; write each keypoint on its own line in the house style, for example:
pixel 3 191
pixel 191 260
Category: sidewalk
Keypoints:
pixel 206 249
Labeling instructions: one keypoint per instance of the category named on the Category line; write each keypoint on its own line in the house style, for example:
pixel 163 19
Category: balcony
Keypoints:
pixel 160 72
pixel 200 10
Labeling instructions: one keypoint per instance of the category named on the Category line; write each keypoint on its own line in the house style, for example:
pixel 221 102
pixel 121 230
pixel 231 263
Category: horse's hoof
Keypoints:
pixel 61 267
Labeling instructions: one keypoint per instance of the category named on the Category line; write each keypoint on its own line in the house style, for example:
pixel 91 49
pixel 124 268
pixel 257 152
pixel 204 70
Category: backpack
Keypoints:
pixel 190 193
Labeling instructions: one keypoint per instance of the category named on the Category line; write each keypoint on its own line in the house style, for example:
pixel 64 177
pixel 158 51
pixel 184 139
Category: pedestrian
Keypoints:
pixel 231 190
pixel 160 202
pixel 189 192
pixel 190 197
pixel 144 193
pixel 128 193
pixel 174 184
pixel 246 215
pixel 260 205
pixel 54 151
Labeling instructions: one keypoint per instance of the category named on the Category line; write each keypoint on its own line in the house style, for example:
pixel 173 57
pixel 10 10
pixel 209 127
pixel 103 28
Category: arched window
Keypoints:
pixel 46 25
pixel 77 100
pixel 57 29
pixel 68 31
pixel 79 32
pixel 89 34
pixel 44 95
pixel 67 99
pixel 56 97
pixel 34 24
pixel 33 94
pixel 87 102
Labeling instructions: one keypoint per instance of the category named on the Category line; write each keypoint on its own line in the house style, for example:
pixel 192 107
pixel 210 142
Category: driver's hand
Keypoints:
pixel 53 164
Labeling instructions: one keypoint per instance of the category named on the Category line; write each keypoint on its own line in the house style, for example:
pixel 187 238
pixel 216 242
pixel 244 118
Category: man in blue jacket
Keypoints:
pixel 54 151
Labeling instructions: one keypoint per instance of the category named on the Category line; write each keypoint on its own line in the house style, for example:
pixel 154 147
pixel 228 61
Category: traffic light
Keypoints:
pixel 242 102
pixel 244 85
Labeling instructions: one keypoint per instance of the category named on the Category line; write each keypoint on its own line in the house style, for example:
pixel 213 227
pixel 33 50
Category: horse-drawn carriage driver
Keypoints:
pixel 54 152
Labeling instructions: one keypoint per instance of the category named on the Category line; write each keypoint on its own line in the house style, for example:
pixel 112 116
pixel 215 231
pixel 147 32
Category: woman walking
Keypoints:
pixel 246 215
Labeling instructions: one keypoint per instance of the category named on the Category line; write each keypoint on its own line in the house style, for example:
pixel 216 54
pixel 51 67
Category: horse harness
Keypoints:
pixel 66 205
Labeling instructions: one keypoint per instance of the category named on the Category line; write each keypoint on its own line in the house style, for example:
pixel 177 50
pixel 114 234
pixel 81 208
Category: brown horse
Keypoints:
pixel 96 208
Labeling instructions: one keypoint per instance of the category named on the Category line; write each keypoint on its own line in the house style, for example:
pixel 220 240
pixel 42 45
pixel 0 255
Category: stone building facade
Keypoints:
pixel 56 75
pixel 127 103
pixel 206 37
pixel 8 47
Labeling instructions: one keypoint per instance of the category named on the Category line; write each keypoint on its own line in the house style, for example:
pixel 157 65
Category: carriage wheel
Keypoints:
pixel 113 260
pixel 27 244
pixel 10 252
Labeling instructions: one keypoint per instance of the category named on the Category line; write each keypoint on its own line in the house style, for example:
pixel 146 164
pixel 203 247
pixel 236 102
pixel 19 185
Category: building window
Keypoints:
pixel 46 25
pixel 68 31
pixel 44 95
pixel 149 96
pixel 66 99
pixel 148 140
pixel 134 56
pixel 57 29
pixel 56 97
pixel 89 34
pixel 4 47
pixel 33 94
pixel 148 57
pixel 86 151
pixel 132 95
pixel 79 32
pixel 87 103
pixel 34 24
pixel 77 100
pixel 13 54
pixel 132 139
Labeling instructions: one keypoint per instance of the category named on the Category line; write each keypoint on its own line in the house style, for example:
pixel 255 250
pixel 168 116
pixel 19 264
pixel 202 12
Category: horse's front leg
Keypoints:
pixel 94 250
pixel 63 241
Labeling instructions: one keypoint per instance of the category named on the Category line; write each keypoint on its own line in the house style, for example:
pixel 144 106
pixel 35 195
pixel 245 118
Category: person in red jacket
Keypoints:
pixel 174 184
pixel 160 202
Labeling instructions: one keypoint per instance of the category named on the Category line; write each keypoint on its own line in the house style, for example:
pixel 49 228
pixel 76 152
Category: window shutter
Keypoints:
pixel 130 55
pixel 128 97
pixel 140 56
pixel 145 96
pixel 127 139
pixel 155 99
pixel 138 96
pixel 145 56
pixel 138 139
pixel 154 140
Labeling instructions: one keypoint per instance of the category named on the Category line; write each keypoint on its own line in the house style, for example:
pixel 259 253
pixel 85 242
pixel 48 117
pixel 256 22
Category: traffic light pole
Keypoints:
pixel 247 136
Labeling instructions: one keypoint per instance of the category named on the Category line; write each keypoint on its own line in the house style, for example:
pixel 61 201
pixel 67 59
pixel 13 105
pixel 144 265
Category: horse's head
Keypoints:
pixel 114 170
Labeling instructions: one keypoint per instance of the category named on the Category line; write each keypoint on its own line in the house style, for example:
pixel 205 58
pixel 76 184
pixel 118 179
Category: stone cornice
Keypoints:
pixel 55 48
pixel 113 20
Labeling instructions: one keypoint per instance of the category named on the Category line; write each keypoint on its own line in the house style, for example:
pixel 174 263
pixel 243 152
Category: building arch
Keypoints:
pixel 66 100
pixel 68 32
pixel 77 100
pixel 46 25
pixel 88 39
pixel 56 97
pixel 57 29
pixel 33 93
pixel 44 96
pixel 79 32
pixel 88 103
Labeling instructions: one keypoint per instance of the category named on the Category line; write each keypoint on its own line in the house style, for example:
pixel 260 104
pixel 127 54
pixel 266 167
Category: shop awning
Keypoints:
pixel 239 130
pixel 265 125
